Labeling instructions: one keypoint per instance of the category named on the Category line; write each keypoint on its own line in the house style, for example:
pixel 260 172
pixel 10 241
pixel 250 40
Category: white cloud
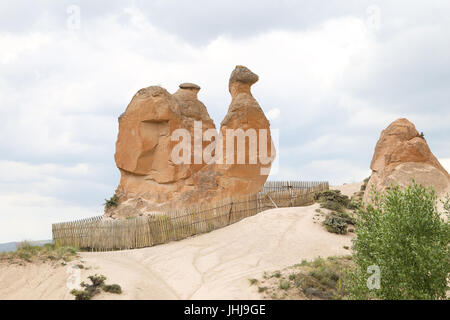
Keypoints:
pixel 22 171
pixel 16 45
pixel 35 196
pixel 80 184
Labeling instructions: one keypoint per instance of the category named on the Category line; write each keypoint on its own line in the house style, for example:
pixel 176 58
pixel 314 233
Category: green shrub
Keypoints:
pixel 97 280
pixel 331 205
pixel 447 205
pixel 112 202
pixel 404 235
pixel 346 217
pixel 81 294
pixel 90 290
pixel 332 200
pixel 24 255
pixel 354 205
pixel 26 246
pixel 112 288
pixel 318 262
pixel 284 285
pixel 335 224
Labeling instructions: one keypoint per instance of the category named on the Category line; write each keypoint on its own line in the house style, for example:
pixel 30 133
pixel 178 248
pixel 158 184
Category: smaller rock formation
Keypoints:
pixel 402 154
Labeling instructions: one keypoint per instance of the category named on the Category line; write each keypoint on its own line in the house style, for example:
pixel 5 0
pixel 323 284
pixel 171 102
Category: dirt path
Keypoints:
pixel 216 265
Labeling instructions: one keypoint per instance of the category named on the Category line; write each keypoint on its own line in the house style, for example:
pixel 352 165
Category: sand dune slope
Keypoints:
pixel 216 265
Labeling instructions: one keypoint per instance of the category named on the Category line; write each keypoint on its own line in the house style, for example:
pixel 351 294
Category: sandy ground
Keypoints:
pixel 216 265
pixel 33 281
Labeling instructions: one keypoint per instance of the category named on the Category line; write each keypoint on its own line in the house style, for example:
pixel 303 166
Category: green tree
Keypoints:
pixel 402 235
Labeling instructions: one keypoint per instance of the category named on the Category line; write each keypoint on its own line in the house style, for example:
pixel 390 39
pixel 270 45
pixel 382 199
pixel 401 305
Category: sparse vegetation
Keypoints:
pixel 27 252
pixel 317 279
pixel 327 278
pixel 403 234
pixel 354 205
pixel 253 281
pixel 332 200
pixel 357 198
pixel 81 294
pixel 112 288
pixel 90 290
pixel 97 280
pixel 338 219
pixel 337 222
pixel 303 263
pixel 284 285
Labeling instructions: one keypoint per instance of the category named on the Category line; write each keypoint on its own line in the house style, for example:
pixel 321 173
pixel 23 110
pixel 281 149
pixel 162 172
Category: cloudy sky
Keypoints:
pixel 332 76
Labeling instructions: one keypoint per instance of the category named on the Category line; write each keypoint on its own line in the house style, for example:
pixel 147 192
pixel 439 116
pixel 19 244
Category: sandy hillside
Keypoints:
pixel 216 265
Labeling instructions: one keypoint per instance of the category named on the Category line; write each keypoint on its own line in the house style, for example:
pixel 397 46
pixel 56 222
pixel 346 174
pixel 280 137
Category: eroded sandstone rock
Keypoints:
pixel 402 154
pixel 150 177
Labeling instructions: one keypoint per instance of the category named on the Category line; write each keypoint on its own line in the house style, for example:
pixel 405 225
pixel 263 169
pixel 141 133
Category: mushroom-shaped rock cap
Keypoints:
pixel 244 75
pixel 188 85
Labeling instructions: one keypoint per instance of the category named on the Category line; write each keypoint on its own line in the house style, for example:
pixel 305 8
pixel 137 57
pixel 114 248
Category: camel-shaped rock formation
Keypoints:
pixel 158 129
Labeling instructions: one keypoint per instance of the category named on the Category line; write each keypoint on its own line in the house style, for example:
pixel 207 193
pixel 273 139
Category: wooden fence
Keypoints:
pixel 290 185
pixel 104 234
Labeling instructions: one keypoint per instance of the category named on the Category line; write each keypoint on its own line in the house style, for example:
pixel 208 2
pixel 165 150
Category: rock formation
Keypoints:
pixel 149 148
pixel 402 154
